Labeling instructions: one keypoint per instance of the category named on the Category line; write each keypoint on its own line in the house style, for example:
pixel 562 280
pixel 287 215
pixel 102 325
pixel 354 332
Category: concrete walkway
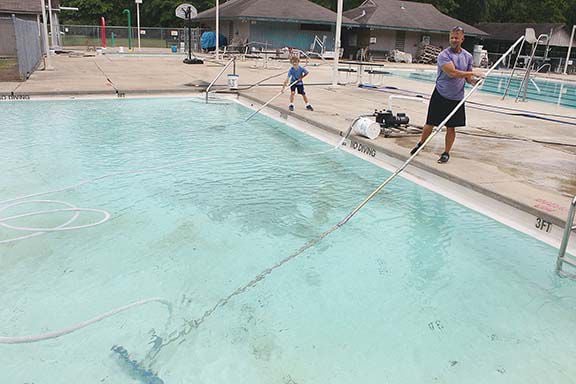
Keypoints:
pixel 528 163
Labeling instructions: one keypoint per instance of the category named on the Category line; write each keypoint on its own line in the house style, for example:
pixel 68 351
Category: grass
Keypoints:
pixel 7 62
pixel 9 69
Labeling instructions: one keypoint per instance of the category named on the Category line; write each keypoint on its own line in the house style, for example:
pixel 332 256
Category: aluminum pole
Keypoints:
pixel 217 29
pixel 48 65
pixel 53 37
pixel 138 22
pixel 569 49
pixel 337 42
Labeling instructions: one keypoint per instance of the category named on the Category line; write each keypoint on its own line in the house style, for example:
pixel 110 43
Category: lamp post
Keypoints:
pixel 138 2
pixel 337 42
pixel 127 12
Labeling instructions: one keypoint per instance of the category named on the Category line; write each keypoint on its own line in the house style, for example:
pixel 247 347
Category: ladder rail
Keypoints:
pixel 232 60
pixel 566 237
pixel 523 89
pixel 513 70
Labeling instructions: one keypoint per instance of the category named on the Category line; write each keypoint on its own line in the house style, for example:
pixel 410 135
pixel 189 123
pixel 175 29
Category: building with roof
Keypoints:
pixel 276 23
pixel 381 25
pixel 21 42
pixel 507 33
pixel 553 52
pixel 386 25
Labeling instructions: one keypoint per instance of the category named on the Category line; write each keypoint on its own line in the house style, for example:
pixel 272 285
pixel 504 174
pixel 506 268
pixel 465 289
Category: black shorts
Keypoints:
pixel 440 107
pixel 299 87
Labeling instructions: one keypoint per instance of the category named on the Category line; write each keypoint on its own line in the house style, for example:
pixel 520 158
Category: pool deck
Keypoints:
pixel 500 155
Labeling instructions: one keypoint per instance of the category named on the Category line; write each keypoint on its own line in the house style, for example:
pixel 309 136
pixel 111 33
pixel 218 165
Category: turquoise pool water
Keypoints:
pixel 554 92
pixel 415 289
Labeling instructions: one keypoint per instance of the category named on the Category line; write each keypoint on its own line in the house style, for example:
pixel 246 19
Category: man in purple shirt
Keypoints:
pixel 454 70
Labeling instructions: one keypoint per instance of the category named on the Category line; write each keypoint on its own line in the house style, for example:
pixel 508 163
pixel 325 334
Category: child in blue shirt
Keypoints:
pixel 297 73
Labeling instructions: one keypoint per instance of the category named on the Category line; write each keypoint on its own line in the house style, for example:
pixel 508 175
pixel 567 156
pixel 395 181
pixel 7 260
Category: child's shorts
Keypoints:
pixel 299 87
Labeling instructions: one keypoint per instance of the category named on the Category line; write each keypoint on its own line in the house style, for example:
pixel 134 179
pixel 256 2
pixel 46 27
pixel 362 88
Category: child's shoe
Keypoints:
pixel 291 107
pixel 309 107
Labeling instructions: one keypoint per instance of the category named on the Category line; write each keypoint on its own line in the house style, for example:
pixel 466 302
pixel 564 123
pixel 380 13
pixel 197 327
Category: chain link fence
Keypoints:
pixel 28 45
pixel 150 37
pixel 20 47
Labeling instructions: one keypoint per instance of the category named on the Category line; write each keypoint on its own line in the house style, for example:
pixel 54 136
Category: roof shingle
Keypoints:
pixel 25 6
pixel 285 10
pixel 407 15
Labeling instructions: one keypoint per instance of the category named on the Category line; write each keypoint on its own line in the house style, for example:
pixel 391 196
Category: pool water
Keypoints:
pixel 415 289
pixel 555 92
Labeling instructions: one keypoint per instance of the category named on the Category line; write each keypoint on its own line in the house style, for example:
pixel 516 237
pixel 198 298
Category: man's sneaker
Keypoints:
pixel 291 108
pixel 413 151
pixel 309 107
pixel 444 158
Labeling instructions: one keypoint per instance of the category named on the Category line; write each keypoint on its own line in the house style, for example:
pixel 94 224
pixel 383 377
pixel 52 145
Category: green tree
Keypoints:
pixel 161 12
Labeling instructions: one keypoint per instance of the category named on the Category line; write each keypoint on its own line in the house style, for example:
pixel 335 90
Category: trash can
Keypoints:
pixel 174 48
pixel 233 81
pixel 477 55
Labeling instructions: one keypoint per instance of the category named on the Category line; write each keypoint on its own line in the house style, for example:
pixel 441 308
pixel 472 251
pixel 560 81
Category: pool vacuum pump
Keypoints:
pixel 387 119
pixel 380 122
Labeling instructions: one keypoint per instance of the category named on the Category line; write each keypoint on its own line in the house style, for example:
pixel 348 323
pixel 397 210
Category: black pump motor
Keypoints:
pixel 387 119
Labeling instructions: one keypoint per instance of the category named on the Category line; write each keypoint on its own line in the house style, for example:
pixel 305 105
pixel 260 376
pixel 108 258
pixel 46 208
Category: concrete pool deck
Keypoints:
pixel 501 155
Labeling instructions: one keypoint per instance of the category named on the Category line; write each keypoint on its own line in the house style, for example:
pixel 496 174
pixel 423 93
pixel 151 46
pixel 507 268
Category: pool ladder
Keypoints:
pixel 529 37
pixel 563 258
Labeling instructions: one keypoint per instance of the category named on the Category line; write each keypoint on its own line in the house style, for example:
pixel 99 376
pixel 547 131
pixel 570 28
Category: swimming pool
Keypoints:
pixel 416 288
pixel 555 92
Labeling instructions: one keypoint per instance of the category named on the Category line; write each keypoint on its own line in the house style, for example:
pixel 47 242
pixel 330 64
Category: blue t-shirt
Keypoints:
pixel 295 74
pixel 450 87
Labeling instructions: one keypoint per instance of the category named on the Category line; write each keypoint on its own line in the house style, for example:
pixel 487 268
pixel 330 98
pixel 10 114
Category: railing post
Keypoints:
pixel 566 237
pixel 232 60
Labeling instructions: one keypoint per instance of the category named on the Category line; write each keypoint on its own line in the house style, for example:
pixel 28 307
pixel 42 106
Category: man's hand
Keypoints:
pixel 479 73
pixel 473 80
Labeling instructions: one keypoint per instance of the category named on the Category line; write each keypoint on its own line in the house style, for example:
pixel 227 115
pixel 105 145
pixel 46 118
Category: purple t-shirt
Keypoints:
pixel 450 87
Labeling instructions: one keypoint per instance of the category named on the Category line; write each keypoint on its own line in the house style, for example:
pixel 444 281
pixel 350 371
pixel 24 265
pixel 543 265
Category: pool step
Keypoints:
pixel 562 271
pixel 568 261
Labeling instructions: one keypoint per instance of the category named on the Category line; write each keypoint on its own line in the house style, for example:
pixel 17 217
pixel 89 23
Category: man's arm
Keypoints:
pixel 477 75
pixel 451 71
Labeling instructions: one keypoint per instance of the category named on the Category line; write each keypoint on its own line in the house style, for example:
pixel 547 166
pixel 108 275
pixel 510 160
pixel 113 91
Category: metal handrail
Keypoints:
pixel 524 85
pixel 544 66
pixel 232 60
pixel 566 237
pixel 513 70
